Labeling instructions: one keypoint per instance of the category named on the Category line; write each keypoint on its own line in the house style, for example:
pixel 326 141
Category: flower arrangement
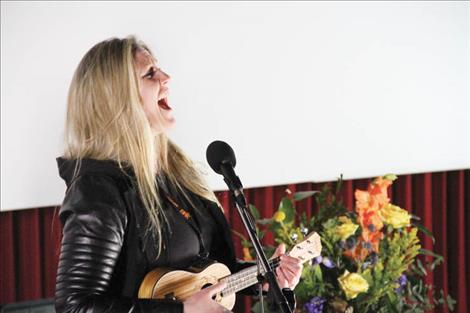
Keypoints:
pixel 369 260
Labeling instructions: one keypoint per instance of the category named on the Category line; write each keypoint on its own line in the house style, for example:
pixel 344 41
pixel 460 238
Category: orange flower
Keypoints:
pixel 364 247
pixel 368 205
pixel 358 252
pixel 378 190
pixel 370 220
pixel 363 199
pixel 374 240
pixel 354 253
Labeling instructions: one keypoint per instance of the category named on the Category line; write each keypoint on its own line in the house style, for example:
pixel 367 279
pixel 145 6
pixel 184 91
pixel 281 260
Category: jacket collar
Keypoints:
pixel 67 168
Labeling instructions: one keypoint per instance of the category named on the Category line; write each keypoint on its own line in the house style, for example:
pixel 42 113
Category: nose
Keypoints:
pixel 164 78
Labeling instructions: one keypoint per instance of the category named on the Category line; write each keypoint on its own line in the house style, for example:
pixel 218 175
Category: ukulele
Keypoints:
pixel 166 283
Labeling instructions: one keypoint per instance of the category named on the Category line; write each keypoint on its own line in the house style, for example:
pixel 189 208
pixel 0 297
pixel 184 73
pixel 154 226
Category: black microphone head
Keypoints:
pixel 218 153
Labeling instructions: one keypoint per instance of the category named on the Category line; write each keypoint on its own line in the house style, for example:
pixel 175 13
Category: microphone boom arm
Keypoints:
pixel 251 229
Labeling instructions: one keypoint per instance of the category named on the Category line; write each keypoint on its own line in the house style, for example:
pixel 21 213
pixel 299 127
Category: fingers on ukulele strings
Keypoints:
pixel 214 289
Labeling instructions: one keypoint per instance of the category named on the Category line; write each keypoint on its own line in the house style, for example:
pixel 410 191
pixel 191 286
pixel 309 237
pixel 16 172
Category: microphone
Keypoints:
pixel 221 159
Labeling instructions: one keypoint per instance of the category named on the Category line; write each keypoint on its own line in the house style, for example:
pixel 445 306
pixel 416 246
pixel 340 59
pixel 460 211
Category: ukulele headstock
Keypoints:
pixel 308 249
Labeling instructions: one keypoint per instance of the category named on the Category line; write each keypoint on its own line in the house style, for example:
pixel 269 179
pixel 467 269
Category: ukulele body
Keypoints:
pixel 167 283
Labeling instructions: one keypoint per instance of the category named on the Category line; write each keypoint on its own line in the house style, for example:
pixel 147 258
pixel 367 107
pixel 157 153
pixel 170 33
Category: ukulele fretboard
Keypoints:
pixel 244 278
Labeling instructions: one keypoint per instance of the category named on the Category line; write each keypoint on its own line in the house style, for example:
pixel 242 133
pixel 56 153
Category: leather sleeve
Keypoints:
pixel 94 220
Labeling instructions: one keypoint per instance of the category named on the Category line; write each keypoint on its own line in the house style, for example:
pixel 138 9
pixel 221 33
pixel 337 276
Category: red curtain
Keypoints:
pixel 29 253
pixel 30 239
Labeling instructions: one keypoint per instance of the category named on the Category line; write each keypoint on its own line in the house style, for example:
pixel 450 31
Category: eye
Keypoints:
pixel 151 73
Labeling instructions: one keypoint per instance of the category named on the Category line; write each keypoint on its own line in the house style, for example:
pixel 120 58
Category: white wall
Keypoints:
pixel 302 91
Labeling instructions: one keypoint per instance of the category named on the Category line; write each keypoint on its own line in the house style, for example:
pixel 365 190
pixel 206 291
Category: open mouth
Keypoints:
pixel 163 103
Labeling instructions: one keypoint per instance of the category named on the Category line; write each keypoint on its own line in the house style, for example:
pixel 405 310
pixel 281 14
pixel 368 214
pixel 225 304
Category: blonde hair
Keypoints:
pixel 105 120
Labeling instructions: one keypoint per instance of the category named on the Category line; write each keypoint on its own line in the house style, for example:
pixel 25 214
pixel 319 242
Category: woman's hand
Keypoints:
pixel 202 302
pixel 289 270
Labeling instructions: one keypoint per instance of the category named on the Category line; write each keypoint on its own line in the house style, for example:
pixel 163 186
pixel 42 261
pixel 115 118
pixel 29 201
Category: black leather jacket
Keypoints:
pixel 105 252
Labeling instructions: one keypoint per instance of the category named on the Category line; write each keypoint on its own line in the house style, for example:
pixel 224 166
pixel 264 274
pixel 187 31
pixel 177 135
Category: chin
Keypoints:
pixel 163 130
pixel 170 122
pixel 170 126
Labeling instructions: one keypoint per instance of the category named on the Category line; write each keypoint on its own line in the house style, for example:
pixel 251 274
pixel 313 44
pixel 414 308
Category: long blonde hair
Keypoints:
pixel 106 121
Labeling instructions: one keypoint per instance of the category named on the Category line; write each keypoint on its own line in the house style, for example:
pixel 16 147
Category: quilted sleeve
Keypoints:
pixel 94 221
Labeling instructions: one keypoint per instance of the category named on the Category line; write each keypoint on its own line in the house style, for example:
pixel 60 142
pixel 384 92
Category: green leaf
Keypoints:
pixel 367 275
pixel 425 231
pixel 255 212
pixel 421 267
pixel 245 242
pixel 303 219
pixel 264 221
pixel 240 235
pixel 450 302
pixel 430 253
pixel 438 258
pixel 274 228
pixel 287 207
pixel 312 222
pixel 317 272
pixel 391 177
pixel 339 184
pixel 304 194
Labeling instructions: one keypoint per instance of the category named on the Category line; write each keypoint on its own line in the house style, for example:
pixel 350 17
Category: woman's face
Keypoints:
pixel 154 92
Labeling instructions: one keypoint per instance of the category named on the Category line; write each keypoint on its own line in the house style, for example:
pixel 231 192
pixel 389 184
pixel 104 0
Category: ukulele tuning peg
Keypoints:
pixel 294 237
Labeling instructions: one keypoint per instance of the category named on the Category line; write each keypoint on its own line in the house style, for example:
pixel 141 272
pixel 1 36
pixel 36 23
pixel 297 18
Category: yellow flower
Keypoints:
pixel 353 284
pixel 395 216
pixel 279 216
pixel 246 254
pixel 346 229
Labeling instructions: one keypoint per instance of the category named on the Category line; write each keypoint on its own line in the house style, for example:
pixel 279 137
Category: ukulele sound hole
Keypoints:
pixel 208 285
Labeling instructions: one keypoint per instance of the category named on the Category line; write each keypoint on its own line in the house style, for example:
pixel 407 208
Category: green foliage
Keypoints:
pixel 397 252
pixel 328 204
pixel 298 196
pixel 287 207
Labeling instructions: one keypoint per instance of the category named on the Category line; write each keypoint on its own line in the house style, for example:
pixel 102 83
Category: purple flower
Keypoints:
pixel 326 261
pixel 315 305
pixel 401 283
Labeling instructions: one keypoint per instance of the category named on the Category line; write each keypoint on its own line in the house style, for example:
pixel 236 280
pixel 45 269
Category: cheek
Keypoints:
pixel 149 92
pixel 149 102
pixel 150 105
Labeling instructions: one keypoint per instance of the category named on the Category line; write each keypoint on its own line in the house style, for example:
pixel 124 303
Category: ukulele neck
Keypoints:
pixel 245 278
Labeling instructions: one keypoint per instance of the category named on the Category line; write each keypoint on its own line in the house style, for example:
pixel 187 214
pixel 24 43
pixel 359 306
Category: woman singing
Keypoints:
pixel 134 200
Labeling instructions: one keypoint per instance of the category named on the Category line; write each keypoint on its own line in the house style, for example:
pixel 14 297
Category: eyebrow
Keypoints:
pixel 149 66
pixel 148 71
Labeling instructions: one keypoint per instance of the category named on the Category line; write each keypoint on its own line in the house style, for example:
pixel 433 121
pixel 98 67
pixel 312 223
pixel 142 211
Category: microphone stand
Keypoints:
pixel 247 219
